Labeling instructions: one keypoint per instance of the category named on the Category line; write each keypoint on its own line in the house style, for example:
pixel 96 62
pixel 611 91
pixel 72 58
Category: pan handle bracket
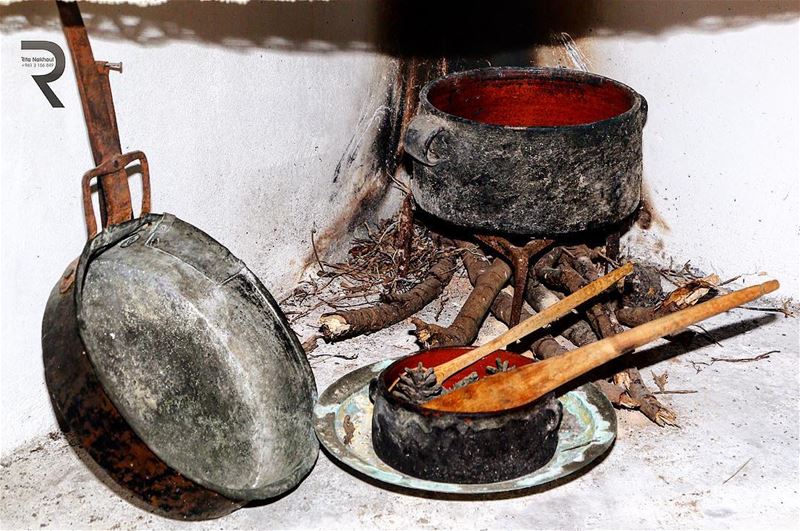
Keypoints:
pixel 113 165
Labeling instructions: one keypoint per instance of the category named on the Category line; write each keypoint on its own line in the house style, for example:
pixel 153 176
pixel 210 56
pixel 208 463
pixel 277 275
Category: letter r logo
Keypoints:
pixel 43 80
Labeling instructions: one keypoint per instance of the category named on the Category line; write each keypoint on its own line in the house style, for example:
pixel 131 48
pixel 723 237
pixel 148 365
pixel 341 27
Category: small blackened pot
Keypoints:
pixel 461 448
pixel 533 151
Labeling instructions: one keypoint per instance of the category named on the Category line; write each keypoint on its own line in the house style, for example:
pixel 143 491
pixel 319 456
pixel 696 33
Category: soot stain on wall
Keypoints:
pixel 374 153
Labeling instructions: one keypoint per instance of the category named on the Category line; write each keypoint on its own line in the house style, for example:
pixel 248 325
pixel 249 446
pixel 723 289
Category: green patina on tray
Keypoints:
pixel 587 431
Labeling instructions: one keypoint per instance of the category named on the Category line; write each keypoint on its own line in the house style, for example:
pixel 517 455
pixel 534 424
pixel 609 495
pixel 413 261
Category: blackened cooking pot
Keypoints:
pixel 461 447
pixel 535 151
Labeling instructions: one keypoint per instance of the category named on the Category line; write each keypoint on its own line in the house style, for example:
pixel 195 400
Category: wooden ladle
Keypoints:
pixel 531 324
pixel 521 386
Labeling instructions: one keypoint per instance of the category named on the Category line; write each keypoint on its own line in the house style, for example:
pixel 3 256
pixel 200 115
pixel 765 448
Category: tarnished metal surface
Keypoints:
pixel 197 357
pixel 587 431
pixel 532 151
pixel 84 409
pixel 163 352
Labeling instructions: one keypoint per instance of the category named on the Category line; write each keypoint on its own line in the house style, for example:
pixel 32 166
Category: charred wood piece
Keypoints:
pixel 570 269
pixel 404 235
pixel 469 320
pixel 348 323
pixel 540 298
pixel 642 287
pixel 686 295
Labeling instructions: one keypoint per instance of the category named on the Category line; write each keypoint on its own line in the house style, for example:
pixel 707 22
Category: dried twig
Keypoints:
pixel 737 471
pixel 372 271
pixel 345 356
pixel 760 357
pixel 314 247
pixel 680 276
pixel 349 323
pixel 784 309
pixel 660 380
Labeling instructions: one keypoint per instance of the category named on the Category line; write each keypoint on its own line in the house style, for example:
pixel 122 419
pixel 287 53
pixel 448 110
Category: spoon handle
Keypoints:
pixel 533 323
pixel 523 385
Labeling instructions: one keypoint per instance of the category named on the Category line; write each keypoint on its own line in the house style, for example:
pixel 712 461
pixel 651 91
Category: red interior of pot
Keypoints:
pixel 539 100
pixel 437 356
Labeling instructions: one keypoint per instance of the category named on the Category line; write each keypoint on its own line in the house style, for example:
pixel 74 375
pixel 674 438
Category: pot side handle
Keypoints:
pixel 421 133
pixel 643 110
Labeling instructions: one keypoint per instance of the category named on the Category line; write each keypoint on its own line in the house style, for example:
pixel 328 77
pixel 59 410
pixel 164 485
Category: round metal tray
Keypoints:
pixel 343 421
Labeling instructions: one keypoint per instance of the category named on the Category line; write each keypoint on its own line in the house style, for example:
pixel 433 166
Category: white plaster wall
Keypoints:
pixel 243 139
pixel 722 140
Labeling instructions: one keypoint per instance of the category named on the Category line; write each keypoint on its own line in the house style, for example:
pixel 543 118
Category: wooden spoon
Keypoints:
pixel 523 385
pixel 531 324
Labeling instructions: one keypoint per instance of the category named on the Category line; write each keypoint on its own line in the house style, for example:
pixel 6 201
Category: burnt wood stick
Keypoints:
pixel 465 327
pixel 533 323
pixel 474 259
pixel 681 297
pixel 576 272
pixel 547 347
pixel 604 322
pixel 635 316
pixel 579 333
pixel 643 287
pixel 557 270
pixel 475 263
pixel 348 323
pixel 404 234
pixel 540 297
pixel 581 260
pixel 566 277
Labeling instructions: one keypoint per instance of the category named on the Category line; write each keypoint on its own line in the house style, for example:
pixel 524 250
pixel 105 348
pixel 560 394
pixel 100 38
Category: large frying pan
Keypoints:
pixel 164 355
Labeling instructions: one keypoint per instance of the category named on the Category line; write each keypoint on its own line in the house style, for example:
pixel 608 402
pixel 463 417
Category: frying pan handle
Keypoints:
pixel 419 140
pixel 113 165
